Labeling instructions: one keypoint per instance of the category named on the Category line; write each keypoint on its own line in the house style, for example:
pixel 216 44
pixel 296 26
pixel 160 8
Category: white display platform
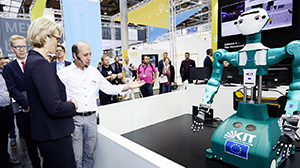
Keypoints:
pixel 113 150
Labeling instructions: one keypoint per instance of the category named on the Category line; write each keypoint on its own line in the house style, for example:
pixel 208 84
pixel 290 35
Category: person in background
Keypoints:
pixel 5 118
pixel 15 82
pixel 145 72
pixel 6 60
pixel 12 133
pixel 161 64
pixel 110 74
pixel 82 82
pixel 99 63
pixel 60 63
pixel 51 116
pixel 168 71
pixel 208 60
pixel 185 67
pixel 127 71
pixel 117 65
pixel 226 63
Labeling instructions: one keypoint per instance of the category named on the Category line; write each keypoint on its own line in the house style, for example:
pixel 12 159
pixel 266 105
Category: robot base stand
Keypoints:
pixel 246 138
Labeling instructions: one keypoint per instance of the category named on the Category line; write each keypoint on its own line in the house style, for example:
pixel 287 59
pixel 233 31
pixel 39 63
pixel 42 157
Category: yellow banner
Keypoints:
pixel 214 25
pixel 38 9
pixel 155 13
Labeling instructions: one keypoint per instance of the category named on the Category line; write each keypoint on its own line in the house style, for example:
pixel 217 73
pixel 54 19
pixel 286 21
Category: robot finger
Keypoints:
pixel 280 149
pixel 285 151
pixel 289 150
pixel 201 126
pixel 276 145
pixel 193 125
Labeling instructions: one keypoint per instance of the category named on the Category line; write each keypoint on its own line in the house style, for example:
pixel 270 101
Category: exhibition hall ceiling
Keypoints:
pixel 108 7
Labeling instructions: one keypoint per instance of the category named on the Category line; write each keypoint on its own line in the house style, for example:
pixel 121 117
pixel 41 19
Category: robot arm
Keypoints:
pixel 210 90
pixel 214 82
pixel 291 118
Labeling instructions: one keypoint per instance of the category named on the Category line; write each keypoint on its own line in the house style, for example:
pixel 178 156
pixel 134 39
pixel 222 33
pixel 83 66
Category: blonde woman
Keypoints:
pixel 51 115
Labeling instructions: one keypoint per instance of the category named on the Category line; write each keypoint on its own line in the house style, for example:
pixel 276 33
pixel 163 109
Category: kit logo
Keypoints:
pixel 241 136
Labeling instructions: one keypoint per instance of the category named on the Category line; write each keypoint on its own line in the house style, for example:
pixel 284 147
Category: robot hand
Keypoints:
pixel 286 144
pixel 198 123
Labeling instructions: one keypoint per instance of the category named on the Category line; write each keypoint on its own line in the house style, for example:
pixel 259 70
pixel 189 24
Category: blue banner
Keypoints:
pixel 82 22
pixel 236 149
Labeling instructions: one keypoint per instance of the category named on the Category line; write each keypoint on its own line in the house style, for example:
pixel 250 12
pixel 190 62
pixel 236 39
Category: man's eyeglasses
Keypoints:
pixel 59 50
pixel 57 38
pixel 19 47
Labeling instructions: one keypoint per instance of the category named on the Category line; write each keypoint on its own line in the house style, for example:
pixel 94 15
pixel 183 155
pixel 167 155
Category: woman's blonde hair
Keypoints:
pixel 39 30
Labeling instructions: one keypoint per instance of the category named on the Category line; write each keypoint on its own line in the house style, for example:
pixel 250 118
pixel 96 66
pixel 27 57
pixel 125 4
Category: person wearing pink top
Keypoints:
pixel 145 73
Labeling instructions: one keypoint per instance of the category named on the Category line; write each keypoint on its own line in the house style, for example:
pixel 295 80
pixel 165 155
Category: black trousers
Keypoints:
pixel 107 99
pixel 57 153
pixel 5 119
pixel 160 88
pixel 23 123
pixel 186 77
pixel 147 89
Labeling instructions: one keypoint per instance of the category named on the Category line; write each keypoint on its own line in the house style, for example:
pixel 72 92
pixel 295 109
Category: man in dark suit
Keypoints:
pixel 5 117
pixel 60 63
pixel 14 77
pixel 208 60
pixel 185 67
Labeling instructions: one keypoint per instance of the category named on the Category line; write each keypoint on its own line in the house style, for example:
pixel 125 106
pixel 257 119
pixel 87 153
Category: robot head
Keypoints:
pixel 252 21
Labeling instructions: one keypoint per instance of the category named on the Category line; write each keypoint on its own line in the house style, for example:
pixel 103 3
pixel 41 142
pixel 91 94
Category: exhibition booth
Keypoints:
pixel 113 150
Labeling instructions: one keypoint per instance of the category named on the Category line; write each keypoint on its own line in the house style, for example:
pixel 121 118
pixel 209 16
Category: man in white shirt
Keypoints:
pixel 82 82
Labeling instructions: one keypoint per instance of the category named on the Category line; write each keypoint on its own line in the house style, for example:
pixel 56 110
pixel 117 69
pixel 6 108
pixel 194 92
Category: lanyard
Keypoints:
pixel 145 67
pixel 166 69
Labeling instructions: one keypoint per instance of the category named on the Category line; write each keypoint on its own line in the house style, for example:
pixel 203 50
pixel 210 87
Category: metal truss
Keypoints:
pixel 18 15
pixel 133 7
pixel 172 31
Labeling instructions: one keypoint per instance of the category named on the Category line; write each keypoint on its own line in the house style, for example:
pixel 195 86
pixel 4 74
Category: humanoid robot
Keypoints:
pixel 250 138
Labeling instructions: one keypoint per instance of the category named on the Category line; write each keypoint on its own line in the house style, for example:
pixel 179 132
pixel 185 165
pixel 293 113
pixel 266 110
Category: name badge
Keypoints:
pixel 144 76
pixel 109 72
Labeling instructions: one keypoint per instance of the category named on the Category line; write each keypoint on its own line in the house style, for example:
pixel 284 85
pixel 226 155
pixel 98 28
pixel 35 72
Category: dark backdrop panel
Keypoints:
pixel 271 38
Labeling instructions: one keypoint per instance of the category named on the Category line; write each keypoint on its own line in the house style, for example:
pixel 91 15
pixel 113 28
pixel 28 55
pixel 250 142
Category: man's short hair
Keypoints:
pixel 103 56
pixel 143 57
pixel 16 37
pixel 165 53
pixel 187 53
pixel 208 51
pixel 61 46
pixel 75 49
pixel 39 29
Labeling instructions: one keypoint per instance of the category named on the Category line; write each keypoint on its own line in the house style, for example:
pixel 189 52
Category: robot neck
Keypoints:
pixel 253 38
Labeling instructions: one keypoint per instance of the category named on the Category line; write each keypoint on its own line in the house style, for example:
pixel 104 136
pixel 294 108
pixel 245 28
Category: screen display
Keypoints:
pixel 280 12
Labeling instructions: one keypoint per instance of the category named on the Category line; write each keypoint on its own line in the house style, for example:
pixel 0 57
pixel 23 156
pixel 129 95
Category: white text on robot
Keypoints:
pixel 241 136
